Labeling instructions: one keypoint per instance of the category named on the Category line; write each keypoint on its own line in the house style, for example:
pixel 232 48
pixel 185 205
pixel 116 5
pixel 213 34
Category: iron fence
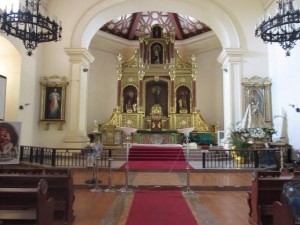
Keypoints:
pixel 199 159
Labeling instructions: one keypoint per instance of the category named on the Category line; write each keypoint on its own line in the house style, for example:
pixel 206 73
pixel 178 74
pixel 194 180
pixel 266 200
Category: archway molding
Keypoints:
pixel 203 10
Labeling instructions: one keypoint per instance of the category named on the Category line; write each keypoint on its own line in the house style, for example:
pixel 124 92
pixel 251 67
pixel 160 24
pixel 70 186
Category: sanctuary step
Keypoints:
pixel 156 153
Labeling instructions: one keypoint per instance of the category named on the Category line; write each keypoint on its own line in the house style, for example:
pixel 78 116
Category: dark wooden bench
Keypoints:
pixel 266 188
pixel 282 211
pixel 27 205
pixel 60 187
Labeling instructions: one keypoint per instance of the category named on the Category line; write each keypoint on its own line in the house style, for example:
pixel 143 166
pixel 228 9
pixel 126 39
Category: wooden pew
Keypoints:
pixel 266 188
pixel 60 187
pixel 21 170
pixel 23 205
pixel 283 215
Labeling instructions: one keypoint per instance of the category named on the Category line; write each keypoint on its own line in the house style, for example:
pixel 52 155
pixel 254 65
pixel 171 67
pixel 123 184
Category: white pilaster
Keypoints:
pixel 232 65
pixel 80 60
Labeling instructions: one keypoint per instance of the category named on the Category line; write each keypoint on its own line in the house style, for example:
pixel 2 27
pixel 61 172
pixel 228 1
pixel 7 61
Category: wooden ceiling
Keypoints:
pixel 128 25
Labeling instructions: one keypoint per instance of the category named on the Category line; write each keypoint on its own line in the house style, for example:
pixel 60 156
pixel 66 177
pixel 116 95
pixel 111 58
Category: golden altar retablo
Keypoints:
pixel 156 75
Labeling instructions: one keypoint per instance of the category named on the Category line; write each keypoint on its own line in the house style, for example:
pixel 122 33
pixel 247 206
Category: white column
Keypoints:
pixel 76 118
pixel 232 65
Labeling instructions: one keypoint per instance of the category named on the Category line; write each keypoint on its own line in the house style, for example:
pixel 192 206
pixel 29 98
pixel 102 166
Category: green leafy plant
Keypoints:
pixel 240 144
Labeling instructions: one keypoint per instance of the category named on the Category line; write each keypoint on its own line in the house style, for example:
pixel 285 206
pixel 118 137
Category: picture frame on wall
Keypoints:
pixel 2 96
pixel 257 91
pixel 53 100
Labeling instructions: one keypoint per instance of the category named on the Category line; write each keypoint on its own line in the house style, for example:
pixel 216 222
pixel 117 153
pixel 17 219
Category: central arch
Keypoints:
pixel 203 10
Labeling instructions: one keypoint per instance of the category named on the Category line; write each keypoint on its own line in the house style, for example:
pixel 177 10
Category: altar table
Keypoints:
pixel 156 137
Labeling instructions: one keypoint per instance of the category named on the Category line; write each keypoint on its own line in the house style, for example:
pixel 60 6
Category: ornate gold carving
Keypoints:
pixel 129 120
pixel 172 72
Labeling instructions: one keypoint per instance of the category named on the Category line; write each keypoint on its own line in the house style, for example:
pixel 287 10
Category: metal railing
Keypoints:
pixel 199 159
pixel 260 158
pixel 61 157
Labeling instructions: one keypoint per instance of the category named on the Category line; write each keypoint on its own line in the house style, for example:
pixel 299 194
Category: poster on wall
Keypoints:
pixel 10 142
pixel 2 96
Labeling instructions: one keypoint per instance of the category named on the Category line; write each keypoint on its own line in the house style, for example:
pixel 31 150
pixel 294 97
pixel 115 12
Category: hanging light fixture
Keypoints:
pixel 283 28
pixel 29 25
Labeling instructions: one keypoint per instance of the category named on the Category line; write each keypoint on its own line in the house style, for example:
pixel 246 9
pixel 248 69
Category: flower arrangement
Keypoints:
pixel 242 138
pixel 257 133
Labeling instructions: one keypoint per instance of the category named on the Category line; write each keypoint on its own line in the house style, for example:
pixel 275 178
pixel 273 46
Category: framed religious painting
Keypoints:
pixel 257 96
pixel 53 100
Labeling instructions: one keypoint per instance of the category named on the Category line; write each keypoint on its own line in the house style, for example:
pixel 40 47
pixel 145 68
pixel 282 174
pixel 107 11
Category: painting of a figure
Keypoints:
pixel 256 97
pixel 9 142
pixel 254 114
pixel 53 99
pixel 53 103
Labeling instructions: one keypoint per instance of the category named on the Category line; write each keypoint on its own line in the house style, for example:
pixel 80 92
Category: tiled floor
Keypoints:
pixel 219 197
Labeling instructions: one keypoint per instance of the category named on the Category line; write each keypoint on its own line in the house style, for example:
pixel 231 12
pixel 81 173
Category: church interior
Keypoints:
pixel 192 77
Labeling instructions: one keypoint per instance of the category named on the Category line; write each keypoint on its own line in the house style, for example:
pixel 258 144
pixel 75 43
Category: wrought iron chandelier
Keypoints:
pixel 29 25
pixel 283 28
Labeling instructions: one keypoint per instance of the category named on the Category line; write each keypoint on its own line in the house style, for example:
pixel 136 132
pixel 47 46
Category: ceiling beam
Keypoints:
pixel 133 26
pixel 177 27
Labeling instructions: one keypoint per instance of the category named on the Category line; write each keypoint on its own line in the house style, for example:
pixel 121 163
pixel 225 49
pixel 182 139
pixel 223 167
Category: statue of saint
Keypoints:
pixel 156 94
pixel 253 118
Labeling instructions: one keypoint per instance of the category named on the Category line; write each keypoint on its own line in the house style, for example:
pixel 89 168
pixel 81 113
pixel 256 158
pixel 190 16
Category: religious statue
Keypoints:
pixel 156 54
pixel 96 126
pixel 180 103
pixel 253 118
pixel 134 107
pixel 156 94
pixel 130 101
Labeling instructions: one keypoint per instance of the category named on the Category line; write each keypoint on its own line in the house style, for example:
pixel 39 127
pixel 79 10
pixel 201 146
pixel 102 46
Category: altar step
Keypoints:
pixel 195 155
pixel 156 154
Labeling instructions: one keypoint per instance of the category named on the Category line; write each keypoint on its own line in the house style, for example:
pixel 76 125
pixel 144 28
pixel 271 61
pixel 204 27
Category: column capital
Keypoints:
pixel 229 55
pixel 80 56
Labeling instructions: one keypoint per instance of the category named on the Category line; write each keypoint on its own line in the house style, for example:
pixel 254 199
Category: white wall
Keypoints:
pixel 284 74
pixel 102 91
pixel 210 87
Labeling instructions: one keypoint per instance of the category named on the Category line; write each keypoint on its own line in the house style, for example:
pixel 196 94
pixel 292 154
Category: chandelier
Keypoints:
pixel 283 28
pixel 29 25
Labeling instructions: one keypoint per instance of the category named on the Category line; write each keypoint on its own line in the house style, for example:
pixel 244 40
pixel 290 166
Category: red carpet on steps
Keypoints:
pixel 148 156
pixel 160 207
pixel 148 152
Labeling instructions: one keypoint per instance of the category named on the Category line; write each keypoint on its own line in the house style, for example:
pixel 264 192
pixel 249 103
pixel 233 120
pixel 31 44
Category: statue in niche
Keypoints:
pixel 156 54
pixel 134 107
pixel 156 32
pixel 130 101
pixel 156 94
pixel 180 103
pixel 182 100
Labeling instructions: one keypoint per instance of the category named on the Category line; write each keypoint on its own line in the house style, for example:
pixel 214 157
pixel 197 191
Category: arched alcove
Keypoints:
pixel 10 67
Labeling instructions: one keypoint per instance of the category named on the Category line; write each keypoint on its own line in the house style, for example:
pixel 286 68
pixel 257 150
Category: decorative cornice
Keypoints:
pixel 80 55
pixel 231 55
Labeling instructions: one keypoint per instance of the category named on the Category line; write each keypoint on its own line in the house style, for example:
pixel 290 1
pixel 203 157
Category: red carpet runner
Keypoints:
pixel 160 207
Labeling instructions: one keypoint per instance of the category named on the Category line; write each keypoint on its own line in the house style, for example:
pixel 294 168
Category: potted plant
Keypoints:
pixel 240 145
